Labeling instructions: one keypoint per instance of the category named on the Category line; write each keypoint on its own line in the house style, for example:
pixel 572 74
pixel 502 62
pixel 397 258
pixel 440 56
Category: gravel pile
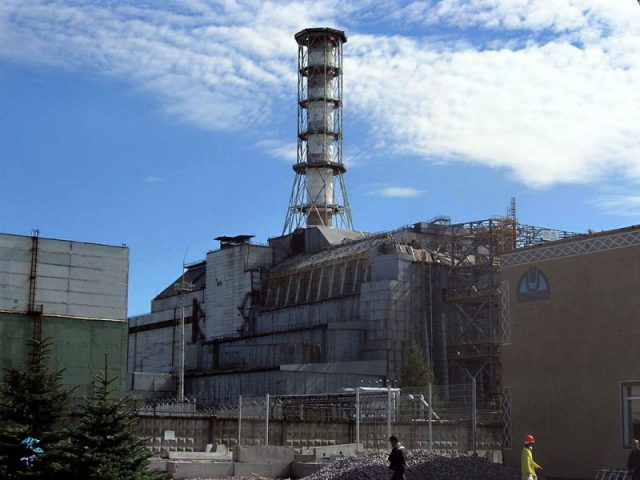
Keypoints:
pixel 422 466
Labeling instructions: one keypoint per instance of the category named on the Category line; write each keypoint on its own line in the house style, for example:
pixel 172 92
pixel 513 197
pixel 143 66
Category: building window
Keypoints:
pixel 630 412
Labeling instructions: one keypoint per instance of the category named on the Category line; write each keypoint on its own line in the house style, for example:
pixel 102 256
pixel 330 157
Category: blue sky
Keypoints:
pixel 165 124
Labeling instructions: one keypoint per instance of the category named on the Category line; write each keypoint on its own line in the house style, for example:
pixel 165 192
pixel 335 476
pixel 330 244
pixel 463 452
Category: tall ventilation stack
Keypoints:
pixel 319 168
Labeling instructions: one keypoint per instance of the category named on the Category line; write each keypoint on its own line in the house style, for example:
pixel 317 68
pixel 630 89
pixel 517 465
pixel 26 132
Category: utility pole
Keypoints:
pixel 182 287
pixel 474 408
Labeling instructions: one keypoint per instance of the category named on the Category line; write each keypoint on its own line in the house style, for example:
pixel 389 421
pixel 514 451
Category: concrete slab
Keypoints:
pixel 263 469
pixel 181 470
pixel 208 456
pixel 266 454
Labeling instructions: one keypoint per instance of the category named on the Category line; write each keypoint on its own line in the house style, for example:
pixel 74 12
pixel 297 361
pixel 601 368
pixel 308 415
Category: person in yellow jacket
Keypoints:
pixel 528 465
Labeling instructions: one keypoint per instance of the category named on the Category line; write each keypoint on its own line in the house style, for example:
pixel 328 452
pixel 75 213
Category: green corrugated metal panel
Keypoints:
pixel 15 330
pixel 79 347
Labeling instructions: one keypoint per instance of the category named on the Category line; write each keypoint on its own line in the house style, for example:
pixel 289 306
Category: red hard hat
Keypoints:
pixel 529 439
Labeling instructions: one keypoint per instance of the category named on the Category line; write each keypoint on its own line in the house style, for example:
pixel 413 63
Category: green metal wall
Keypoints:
pixel 79 347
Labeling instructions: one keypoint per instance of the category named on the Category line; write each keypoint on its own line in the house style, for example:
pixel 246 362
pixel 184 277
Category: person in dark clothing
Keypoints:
pixel 633 464
pixel 397 459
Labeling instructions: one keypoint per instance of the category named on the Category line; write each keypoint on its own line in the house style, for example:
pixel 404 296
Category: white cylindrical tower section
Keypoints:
pixel 322 51
pixel 320 196
pixel 319 149
pixel 319 118
pixel 320 185
pixel 320 87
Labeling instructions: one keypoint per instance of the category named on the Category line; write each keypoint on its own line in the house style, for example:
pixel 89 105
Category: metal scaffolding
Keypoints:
pixel 471 303
pixel 319 194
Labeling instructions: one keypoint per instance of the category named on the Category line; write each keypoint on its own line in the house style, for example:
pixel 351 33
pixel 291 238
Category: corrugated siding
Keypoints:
pixel 73 279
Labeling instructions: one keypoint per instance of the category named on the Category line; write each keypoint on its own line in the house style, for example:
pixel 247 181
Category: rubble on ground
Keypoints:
pixel 422 465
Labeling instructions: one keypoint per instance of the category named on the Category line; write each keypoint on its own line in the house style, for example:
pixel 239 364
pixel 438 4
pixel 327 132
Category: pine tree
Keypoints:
pixel 33 403
pixel 416 372
pixel 105 445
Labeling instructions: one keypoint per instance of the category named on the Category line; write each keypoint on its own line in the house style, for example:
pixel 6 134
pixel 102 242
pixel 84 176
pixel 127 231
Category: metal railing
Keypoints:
pixel 612 474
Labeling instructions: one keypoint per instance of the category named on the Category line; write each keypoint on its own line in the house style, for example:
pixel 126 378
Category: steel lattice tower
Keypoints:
pixel 319 194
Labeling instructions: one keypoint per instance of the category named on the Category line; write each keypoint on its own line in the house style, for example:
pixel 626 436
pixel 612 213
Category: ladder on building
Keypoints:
pixel 612 474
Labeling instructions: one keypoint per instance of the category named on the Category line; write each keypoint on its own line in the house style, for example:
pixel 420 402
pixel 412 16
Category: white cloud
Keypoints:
pixel 396 192
pixel 217 64
pixel 551 113
pixel 278 149
pixel 553 101
pixel 620 201
pixel 152 179
pixel 555 15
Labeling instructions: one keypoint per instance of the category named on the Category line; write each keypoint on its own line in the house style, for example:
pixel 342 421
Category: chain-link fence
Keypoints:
pixel 440 418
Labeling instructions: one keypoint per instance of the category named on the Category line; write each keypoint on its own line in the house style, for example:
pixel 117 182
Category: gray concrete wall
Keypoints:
pixel 156 349
pixel 152 385
pixel 228 282
pixel 151 351
pixel 394 307
pixel 303 346
pixel 316 313
pixel 193 433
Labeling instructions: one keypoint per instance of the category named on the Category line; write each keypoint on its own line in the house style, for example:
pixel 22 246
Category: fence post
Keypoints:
pixel 283 421
pixel 266 427
pixel 473 413
pixel 430 417
pixel 388 411
pixel 211 436
pixel 240 420
pixel 357 419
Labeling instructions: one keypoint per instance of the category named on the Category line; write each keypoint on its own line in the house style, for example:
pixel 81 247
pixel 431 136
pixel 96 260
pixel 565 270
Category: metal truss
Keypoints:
pixel 505 313
pixel 507 442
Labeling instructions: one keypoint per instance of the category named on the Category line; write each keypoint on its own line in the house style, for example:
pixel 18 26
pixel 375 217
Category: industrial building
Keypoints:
pixel 571 356
pixel 74 294
pixel 319 310
pixel 323 306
